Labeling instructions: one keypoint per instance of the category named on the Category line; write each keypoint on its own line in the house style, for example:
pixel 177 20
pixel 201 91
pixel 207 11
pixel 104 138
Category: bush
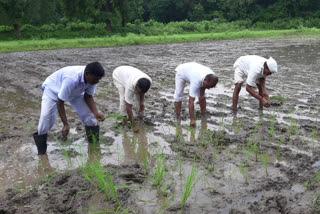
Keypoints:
pixel 315 22
pixel 29 32
pixel 187 26
pixel 280 24
pixel 80 26
pixel 6 28
pixel 262 26
pixel 48 28
pixel 100 27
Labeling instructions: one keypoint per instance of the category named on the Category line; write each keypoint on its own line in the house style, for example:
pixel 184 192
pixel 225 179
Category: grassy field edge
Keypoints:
pixel 133 39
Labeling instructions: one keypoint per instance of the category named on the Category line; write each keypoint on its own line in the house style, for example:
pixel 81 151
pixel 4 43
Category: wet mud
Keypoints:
pixel 256 162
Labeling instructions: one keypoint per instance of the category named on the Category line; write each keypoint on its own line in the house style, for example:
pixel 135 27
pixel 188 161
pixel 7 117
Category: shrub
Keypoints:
pixel 188 26
pixel 280 24
pixel 80 26
pixel 29 31
pixel 315 22
pixel 48 28
pixel 6 28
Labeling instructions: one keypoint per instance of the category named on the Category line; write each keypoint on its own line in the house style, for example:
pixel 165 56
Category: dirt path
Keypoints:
pixel 226 152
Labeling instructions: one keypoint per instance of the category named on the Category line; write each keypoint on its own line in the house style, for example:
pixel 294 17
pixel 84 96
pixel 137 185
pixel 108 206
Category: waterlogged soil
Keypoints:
pixel 256 162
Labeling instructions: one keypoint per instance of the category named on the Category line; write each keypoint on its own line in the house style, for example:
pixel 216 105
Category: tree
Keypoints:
pixel 14 13
pixel 97 11
pixel 130 10
pixel 19 12
pixel 166 10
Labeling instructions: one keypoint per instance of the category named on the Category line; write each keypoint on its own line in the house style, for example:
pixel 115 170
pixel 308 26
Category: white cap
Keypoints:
pixel 272 65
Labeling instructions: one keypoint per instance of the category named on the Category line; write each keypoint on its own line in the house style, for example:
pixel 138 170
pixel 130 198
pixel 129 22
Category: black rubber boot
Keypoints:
pixel 93 133
pixel 41 143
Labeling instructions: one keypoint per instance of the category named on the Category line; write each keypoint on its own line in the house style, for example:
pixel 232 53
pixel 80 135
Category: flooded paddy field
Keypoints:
pixel 258 162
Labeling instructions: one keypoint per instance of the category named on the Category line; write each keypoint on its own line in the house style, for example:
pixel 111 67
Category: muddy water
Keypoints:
pixel 218 140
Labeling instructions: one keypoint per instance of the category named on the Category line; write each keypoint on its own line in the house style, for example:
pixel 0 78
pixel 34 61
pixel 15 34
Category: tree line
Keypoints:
pixel 117 13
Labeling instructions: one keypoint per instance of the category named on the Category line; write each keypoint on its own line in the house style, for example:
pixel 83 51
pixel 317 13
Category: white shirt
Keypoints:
pixel 128 76
pixel 252 67
pixel 194 73
pixel 67 83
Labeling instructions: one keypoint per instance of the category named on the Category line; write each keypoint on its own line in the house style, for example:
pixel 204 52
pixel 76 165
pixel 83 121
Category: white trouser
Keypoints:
pixel 49 113
pixel 179 84
pixel 122 94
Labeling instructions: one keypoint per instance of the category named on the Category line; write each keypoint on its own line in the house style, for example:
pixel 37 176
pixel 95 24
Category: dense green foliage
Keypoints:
pixel 87 18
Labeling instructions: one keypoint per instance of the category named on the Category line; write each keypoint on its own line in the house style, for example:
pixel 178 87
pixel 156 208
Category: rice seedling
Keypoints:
pixel 64 150
pixel 248 151
pixel 190 183
pixel 264 159
pixel 251 144
pixel 161 210
pixel 192 133
pixel 204 139
pixel 180 163
pixel 279 149
pixel 158 178
pixel 94 172
pixel 272 122
pixel 212 164
pixel 293 127
pixel 255 149
pixel 244 173
pixel 312 136
pixel 221 124
pixel 238 125
pixel 21 186
pixel 278 98
pixel 180 140
pixel 145 162
pixel 48 177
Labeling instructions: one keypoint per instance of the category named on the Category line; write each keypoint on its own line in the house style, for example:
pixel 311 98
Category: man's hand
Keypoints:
pixel 65 131
pixel 265 95
pixel 264 102
pixel 99 116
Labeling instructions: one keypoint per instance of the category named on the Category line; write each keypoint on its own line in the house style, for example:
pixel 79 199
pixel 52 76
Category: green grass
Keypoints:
pixel 133 39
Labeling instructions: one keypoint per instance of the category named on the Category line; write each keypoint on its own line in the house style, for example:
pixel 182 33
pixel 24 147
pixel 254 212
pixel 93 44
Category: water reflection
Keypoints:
pixel 135 147
pixel 44 167
pixel 197 133
pixel 94 153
